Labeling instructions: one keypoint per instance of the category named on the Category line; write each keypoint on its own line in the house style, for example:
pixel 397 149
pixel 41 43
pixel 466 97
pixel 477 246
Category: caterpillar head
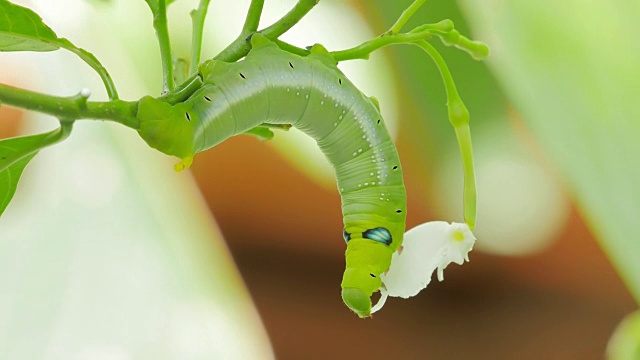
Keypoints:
pixel 366 260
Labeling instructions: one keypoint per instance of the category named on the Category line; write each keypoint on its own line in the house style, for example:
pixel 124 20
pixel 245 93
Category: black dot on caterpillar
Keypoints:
pixel 373 276
pixel 290 64
pixel 207 98
pixel 378 121
pixel 188 117
pixel 242 76
pixel 340 81
pixel 395 167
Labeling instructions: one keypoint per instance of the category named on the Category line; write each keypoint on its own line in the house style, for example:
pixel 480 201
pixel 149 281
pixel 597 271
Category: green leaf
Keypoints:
pixel 573 74
pixel 625 341
pixel 9 180
pixel 21 29
pixel 15 154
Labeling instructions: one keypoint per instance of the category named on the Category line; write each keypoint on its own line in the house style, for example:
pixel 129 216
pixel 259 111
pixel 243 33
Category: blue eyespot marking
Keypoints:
pixel 378 234
pixel 346 236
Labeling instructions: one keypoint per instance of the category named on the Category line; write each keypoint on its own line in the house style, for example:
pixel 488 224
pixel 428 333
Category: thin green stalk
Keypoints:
pixel 283 25
pixel 459 118
pixel 291 48
pixel 162 32
pixel 443 29
pixel 406 15
pixel 183 91
pixel 240 46
pixel 71 108
pixel 252 21
pixel 363 50
pixel 92 61
pixel 197 19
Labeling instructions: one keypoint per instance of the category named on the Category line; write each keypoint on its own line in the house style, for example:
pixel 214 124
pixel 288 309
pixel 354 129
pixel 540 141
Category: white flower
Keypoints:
pixel 425 248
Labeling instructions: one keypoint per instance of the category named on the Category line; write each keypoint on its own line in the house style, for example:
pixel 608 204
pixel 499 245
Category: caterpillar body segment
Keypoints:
pixel 276 87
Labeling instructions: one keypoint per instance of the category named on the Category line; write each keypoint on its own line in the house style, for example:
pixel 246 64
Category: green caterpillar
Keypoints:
pixel 276 87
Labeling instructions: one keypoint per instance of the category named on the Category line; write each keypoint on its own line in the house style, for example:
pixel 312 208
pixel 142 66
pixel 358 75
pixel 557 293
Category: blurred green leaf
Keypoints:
pixel 21 29
pixel 15 154
pixel 571 68
pixel 625 342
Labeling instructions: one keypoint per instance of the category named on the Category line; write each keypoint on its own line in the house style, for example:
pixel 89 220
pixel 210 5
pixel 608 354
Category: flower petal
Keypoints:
pixel 425 248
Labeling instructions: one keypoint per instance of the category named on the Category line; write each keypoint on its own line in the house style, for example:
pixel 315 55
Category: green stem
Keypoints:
pixel 252 21
pixel 240 46
pixel 291 48
pixel 459 118
pixel 406 15
pixel 162 32
pixel 443 29
pixel 363 50
pixel 183 91
pixel 477 49
pixel 71 108
pixel 92 61
pixel 283 25
pixel 197 19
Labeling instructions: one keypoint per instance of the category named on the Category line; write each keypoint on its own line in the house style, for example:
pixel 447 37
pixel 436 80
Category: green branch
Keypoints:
pixel 197 19
pixel 459 118
pixel 443 29
pixel 363 50
pixel 71 108
pixel 240 46
pixel 92 61
pixel 405 16
pixel 183 91
pixel 252 21
pixel 290 19
pixel 162 32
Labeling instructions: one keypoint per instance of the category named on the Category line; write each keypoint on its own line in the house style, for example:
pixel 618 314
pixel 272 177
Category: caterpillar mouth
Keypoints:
pixel 358 301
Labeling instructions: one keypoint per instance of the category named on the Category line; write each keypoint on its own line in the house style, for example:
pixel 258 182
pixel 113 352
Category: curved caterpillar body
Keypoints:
pixel 310 93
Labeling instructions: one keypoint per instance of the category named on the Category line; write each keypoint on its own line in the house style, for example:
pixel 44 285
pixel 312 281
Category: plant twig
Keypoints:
pixel 240 46
pixel 406 15
pixel 183 91
pixel 197 19
pixel 283 25
pixel 162 32
pixel 459 118
pixel 92 61
pixel 71 108
pixel 252 21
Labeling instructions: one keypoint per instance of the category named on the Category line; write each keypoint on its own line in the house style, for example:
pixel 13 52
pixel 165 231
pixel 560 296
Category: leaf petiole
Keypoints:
pixel 405 16
pixel 459 118
pixel 197 19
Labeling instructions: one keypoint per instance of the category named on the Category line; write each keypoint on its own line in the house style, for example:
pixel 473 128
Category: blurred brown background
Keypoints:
pixel 285 235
